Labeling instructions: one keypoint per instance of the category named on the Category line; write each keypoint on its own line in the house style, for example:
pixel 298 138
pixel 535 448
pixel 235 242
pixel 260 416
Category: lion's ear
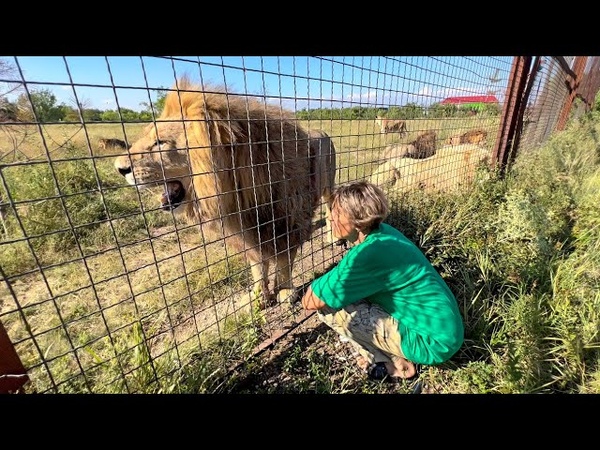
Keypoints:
pixel 223 131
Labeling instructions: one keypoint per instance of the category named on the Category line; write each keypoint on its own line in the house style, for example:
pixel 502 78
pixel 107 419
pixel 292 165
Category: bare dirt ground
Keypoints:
pixel 312 359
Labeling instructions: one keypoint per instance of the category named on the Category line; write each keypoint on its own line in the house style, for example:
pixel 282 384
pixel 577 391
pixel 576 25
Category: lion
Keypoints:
pixel 104 143
pixel 423 146
pixel 241 167
pixel 391 125
pixel 324 177
pixel 394 151
pixel 477 137
pixel 449 169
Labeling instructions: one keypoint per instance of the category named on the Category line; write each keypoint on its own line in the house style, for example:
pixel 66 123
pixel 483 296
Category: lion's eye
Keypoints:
pixel 161 146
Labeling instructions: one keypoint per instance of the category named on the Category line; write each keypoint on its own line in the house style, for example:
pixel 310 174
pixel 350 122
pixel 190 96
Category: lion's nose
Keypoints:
pixel 124 171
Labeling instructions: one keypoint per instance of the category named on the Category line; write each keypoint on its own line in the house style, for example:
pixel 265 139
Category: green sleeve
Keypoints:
pixel 354 278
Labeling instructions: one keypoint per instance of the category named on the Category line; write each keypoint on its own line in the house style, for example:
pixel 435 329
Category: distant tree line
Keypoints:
pixel 408 111
pixel 45 108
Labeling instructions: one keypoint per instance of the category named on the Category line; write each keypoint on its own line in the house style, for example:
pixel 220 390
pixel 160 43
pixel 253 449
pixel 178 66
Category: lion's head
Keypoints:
pixel 160 157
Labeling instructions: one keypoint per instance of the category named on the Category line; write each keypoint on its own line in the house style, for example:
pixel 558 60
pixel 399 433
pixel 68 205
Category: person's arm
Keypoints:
pixel 310 301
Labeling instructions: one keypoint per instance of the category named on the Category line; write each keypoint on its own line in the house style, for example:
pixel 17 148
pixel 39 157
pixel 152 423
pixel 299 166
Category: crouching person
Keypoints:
pixel 384 296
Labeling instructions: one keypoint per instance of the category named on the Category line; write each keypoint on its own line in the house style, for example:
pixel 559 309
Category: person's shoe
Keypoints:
pixel 378 372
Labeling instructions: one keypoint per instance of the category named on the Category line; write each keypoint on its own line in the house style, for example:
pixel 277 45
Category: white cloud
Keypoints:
pixel 368 97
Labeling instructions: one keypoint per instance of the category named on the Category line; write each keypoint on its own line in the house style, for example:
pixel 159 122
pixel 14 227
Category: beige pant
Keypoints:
pixel 372 331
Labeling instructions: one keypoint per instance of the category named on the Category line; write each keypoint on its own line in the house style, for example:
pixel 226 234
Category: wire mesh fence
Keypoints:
pixel 162 212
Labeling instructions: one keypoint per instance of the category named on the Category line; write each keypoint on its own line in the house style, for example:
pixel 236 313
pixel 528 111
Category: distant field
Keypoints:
pixel 32 142
pixel 360 145
pixel 29 141
pixel 79 166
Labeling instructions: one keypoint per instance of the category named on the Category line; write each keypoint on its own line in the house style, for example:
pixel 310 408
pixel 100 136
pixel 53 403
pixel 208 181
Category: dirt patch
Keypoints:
pixel 313 359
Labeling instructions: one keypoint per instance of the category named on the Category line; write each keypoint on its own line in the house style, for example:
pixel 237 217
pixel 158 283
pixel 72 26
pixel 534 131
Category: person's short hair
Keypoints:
pixel 364 203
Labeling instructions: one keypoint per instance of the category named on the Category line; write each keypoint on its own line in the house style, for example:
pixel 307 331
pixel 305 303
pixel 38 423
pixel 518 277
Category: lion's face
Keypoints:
pixel 159 157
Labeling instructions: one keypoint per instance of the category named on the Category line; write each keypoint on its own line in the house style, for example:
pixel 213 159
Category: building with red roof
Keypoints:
pixel 473 101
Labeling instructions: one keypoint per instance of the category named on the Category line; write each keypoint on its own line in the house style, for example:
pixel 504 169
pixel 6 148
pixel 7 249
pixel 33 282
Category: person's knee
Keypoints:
pixel 326 315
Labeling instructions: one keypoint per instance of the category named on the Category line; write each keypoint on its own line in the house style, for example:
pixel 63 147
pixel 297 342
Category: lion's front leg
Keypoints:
pixel 260 284
pixel 328 228
pixel 328 234
pixel 283 277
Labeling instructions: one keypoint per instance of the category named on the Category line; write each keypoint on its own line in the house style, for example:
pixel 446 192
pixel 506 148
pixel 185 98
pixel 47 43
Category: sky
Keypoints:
pixel 295 82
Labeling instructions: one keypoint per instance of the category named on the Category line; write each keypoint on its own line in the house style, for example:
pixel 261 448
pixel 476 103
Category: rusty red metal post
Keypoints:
pixel 514 104
pixel 573 82
pixel 12 373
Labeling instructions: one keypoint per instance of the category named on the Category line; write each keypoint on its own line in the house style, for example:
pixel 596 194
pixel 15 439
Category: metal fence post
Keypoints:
pixel 573 81
pixel 513 106
pixel 12 373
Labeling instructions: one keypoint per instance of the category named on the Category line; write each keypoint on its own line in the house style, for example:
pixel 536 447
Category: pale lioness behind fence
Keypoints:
pixel 391 125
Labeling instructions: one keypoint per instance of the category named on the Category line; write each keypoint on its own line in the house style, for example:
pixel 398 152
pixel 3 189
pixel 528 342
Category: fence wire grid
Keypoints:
pixel 105 288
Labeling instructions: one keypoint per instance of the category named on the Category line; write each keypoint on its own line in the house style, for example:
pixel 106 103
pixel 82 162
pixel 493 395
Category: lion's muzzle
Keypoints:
pixel 123 166
pixel 173 195
pixel 124 171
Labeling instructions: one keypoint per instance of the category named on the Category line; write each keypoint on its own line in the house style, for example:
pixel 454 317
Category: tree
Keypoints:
pixel 110 115
pixel 8 72
pixel 122 115
pixel 8 111
pixel 69 114
pixel 42 108
pixel 447 110
pixel 157 106
pixel 92 115
pixel 412 111
pixel 129 115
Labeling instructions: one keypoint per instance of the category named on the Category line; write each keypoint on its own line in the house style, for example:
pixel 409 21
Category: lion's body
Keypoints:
pixel 239 166
pixel 104 143
pixel 391 125
pixel 323 152
pixel 394 151
pixel 424 146
pixel 477 137
pixel 449 169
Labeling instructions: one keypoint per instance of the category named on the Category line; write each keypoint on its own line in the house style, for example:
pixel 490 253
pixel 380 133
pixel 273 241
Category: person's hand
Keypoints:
pixel 311 302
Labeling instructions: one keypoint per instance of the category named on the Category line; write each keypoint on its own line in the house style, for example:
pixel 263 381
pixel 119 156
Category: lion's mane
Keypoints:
pixel 251 168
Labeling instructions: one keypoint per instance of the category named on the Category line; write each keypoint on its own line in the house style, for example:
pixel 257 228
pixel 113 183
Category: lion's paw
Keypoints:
pixel 287 296
pixel 257 301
